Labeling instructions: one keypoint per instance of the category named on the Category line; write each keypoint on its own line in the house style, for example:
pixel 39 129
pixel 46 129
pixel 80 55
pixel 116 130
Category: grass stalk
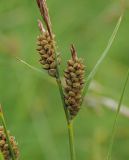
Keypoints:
pixel 71 140
pixel 116 118
pixel 6 133
pixel 58 80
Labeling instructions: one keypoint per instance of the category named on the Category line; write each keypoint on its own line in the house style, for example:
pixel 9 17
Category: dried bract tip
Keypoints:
pixel 4 147
pixel 73 52
pixel 40 25
pixel 38 2
pixel 74 78
pixel 44 12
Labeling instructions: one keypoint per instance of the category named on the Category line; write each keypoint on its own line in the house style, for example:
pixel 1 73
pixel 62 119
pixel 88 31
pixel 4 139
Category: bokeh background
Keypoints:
pixel 31 101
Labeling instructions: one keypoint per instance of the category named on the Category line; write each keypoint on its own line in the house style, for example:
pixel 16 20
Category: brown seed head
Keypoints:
pixel 46 49
pixel 46 42
pixel 4 147
pixel 74 77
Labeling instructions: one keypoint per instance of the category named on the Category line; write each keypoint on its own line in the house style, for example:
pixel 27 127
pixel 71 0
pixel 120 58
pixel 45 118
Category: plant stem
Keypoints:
pixel 6 133
pixel 71 141
pixel 62 98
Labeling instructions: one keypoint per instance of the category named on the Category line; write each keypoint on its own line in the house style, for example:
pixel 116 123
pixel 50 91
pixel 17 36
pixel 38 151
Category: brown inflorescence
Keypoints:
pixel 74 78
pixel 4 146
pixel 46 49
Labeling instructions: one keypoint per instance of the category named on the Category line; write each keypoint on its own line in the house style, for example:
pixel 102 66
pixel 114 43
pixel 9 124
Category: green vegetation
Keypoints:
pixel 31 100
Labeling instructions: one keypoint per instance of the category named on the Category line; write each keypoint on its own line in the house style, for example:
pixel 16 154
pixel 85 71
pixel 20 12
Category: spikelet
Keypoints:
pixel 74 78
pixel 4 147
pixel 46 49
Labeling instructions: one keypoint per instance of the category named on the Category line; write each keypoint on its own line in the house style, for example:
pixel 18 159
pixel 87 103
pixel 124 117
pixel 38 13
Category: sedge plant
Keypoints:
pixel 75 88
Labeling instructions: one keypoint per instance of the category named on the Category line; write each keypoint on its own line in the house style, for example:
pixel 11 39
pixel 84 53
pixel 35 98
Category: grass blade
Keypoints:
pixel 30 66
pixel 101 59
pixel 116 117
pixel 36 70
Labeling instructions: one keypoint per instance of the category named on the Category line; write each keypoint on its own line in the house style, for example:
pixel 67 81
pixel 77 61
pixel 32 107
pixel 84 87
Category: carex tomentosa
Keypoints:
pixel 74 78
pixel 4 146
pixel 46 49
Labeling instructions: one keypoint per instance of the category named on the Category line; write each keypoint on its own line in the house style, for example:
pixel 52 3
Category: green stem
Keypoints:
pixel 63 99
pixel 71 141
pixel 6 133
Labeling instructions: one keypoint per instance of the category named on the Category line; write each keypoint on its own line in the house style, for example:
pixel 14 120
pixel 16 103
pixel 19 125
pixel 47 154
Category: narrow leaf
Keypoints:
pixel 101 59
pixel 116 118
pixel 36 70
pixel 30 66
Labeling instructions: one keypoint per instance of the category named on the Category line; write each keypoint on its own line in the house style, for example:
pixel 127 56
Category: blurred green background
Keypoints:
pixel 31 101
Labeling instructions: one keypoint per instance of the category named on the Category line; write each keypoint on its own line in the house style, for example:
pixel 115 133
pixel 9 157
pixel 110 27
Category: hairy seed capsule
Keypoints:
pixel 52 72
pixel 69 82
pixel 74 78
pixel 66 75
pixel 73 75
pixel 70 62
pixel 46 66
pixel 53 65
pixel 71 93
pixel 71 69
